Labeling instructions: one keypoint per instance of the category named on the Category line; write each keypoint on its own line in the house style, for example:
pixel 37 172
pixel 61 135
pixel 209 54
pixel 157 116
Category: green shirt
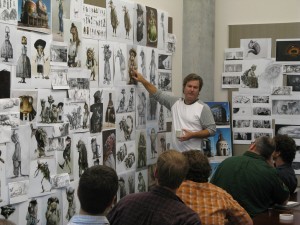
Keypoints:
pixel 251 181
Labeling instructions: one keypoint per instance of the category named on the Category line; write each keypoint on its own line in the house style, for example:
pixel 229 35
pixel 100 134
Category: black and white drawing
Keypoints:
pixel 48 110
pixel 141 184
pixel 165 81
pixel 94 22
pixel 125 127
pixel 293 81
pixel 285 107
pixel 59 77
pixel 96 110
pixel 126 184
pixel 141 108
pixel 109 148
pixel 256 48
pixel 140 35
pixel 18 191
pixel 106 63
pixel 109 109
pixel 58 53
pixel 90 59
pixel 141 147
pixel 9 11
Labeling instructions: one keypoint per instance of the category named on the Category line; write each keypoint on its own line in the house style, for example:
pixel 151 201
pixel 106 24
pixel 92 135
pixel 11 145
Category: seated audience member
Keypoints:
pixel 250 178
pixel 283 157
pixel 160 205
pixel 97 188
pixel 213 204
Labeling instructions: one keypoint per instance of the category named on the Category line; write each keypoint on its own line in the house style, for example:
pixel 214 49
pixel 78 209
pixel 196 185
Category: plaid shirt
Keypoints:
pixel 213 204
pixel 159 206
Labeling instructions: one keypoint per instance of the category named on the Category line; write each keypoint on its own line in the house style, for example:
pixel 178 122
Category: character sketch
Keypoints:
pixel 44 169
pixel 67 155
pixel 121 154
pixel 130 106
pixel 7 210
pixel 153 136
pixel 139 23
pixel 249 77
pixel 40 58
pixel 109 150
pixel 126 125
pixel 163 144
pixel 49 113
pixel 131 184
pixel 41 139
pixel 143 63
pixel 7 49
pixel 27 112
pixel 16 158
pixel 110 115
pixel 95 149
pixel 132 66
pixel 152 26
pixel 86 114
pixel 113 17
pixel 91 62
pixel 23 64
pixel 162 23
pixel 122 188
pixel 129 160
pixel 53 211
pixel 142 151
pixel 82 158
pixel 70 192
pixel 253 48
pixel 32 215
pixel 141 183
pixel 127 22
pixel 97 113
pixel 152 108
pixel 107 55
pixel 152 68
pixel 122 63
pixel 121 107
pixel 73 47
pixel 141 108
pixel 60 16
pixel 161 119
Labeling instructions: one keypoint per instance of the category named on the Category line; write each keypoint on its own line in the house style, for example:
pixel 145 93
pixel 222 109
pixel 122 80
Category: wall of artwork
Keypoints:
pixel 68 100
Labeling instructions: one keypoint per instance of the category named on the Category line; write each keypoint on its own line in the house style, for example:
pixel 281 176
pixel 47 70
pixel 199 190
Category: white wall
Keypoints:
pixel 234 12
pixel 174 8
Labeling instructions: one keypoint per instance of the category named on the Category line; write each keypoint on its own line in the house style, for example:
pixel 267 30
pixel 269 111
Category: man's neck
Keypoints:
pixel 172 190
pixel 82 212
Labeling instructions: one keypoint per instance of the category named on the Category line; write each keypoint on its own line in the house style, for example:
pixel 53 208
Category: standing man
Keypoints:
pixel 251 178
pixel 160 205
pixel 192 119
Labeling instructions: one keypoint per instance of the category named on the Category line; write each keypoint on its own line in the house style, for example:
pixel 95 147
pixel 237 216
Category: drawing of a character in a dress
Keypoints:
pixel 107 72
pixel 143 64
pixel 73 47
pixel 152 30
pixel 139 23
pixel 6 49
pixel 152 68
pixel 23 64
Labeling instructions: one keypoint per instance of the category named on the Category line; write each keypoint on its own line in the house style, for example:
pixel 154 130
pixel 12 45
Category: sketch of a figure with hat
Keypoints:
pixel 40 58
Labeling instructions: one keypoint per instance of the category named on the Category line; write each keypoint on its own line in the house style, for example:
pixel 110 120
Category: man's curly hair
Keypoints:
pixel 199 167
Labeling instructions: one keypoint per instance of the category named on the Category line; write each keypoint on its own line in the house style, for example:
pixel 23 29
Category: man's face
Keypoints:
pixel 191 91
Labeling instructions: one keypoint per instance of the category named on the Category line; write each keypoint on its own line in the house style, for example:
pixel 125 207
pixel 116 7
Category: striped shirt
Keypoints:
pixel 213 205
pixel 88 220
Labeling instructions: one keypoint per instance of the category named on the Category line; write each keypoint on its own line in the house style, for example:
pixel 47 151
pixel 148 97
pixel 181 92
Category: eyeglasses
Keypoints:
pixel 252 142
